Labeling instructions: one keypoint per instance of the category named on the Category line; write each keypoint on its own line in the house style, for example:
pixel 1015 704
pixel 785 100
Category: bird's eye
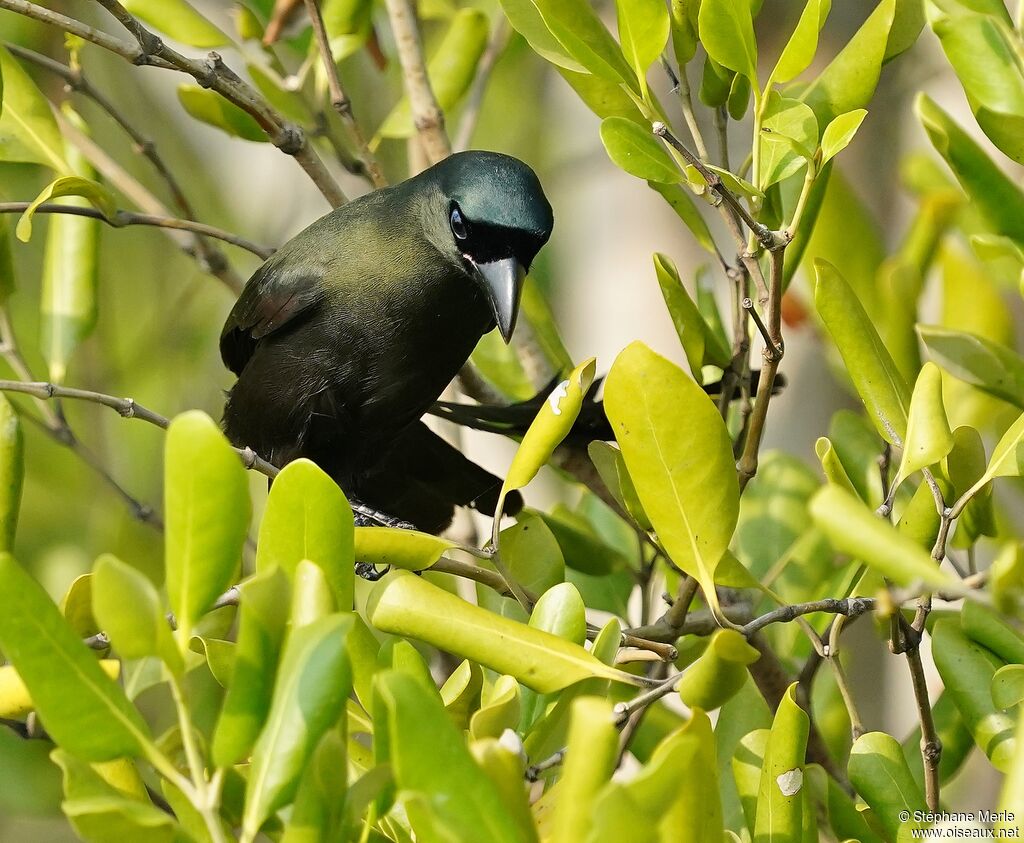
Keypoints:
pixel 459 228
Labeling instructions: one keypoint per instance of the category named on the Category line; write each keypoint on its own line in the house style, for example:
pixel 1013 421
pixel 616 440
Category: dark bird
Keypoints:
pixel 347 334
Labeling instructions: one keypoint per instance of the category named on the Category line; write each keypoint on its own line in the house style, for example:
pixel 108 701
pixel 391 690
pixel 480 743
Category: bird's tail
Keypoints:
pixel 591 424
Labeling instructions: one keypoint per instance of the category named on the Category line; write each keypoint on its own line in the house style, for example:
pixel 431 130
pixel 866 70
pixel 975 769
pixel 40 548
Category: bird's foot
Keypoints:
pixel 370 572
pixel 367 516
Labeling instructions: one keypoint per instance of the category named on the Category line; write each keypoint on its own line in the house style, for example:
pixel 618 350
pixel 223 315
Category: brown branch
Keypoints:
pixel 770 240
pixel 212 73
pixel 125 218
pixel 339 99
pixel 773 353
pixel 427 115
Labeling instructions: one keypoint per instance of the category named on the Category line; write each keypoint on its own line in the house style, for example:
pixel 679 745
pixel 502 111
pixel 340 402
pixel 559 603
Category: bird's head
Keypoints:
pixel 490 215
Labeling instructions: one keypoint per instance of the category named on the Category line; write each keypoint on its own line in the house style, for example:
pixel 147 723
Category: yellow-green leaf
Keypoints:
pixel 404 604
pixel 97 195
pixel 28 132
pixel 929 438
pixel 178 20
pixel 679 455
pixel 854 529
pixel 406 549
pixel 554 420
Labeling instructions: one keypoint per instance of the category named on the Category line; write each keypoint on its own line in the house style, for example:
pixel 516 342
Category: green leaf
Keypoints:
pixel 615 476
pixel 576 26
pixel 882 778
pixel 581 546
pixel 308 517
pixel 967 670
pixel 988 365
pixel 719 673
pixel 309 697
pixel 1012 799
pixel 634 149
pixel 499 710
pixel 684 29
pixel 591 755
pixel 219 655
pixel 963 466
pixel 1008 579
pixel 533 558
pixel 206 496
pixel 643 33
pixel 652 806
pixel 991 630
pixel 850 79
pixel 906 26
pixel 680 201
pixel 32 786
pixel 211 108
pixel 799 51
pixel 525 17
pixel 406 549
pixel 997 198
pixel 679 455
pixel 28 132
pixel 451 70
pixel 746 762
pixel 780 796
pixel 429 759
pixel 12 473
pixel 789 134
pixel 606 98
pixel 832 465
pixel 96 194
pixel 929 438
pixel 840 132
pixel 178 20
pixel 461 693
pixel 727 33
pixel 1008 456
pixel 699 343
pixel 101 812
pixel 128 609
pixel 262 617
pixel 1008 686
pixel 854 529
pixel 982 51
pixel 85 712
pixel 71 262
pixel 403 604
pixel 878 382
pixel 553 421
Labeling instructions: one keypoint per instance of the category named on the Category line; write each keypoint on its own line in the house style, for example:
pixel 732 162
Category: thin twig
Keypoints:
pixel 747 464
pixel 426 113
pixel 340 100
pixel 770 240
pixel 212 73
pixel 121 218
pixel 769 344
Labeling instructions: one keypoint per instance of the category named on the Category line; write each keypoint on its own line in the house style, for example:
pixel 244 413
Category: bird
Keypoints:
pixel 348 333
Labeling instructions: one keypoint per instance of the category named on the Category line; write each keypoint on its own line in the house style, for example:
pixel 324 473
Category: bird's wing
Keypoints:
pixel 276 294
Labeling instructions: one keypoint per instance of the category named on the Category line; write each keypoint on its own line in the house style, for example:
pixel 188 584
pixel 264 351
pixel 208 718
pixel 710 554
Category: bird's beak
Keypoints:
pixel 502 281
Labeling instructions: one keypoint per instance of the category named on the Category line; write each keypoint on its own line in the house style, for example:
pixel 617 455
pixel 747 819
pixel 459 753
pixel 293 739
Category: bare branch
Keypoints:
pixel 339 99
pixel 125 218
pixel 211 73
pixel 426 113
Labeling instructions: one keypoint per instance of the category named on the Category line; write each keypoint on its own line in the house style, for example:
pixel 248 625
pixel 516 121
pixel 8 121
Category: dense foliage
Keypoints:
pixel 683 621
